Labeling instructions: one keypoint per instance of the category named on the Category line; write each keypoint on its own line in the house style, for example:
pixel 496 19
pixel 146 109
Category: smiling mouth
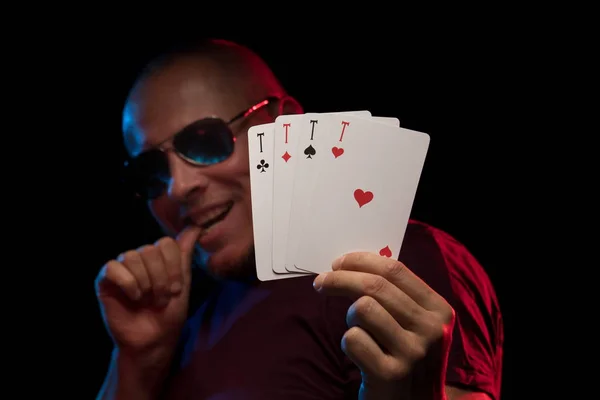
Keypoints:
pixel 218 217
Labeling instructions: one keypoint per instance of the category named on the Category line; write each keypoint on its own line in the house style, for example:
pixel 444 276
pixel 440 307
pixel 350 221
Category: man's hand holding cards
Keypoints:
pixel 332 195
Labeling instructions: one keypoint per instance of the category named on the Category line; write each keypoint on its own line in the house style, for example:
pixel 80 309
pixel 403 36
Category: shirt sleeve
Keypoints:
pixel 476 354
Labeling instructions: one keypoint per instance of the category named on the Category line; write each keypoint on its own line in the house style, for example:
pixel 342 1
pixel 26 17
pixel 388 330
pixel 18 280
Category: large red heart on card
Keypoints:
pixel 337 151
pixel 362 197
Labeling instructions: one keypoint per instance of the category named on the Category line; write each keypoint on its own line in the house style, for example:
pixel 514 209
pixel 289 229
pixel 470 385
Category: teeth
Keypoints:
pixel 213 214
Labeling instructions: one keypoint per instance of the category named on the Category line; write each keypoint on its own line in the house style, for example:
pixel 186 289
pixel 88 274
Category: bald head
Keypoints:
pixel 217 74
pixel 225 67
pixel 232 68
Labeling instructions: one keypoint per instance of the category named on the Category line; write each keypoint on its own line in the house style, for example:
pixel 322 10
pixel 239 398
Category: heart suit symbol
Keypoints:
pixel 385 252
pixel 337 151
pixel 362 197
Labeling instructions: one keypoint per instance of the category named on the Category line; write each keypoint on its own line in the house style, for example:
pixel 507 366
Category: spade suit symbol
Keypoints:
pixel 310 151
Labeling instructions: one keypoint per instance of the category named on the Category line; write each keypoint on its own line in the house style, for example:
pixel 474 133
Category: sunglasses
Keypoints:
pixel 205 142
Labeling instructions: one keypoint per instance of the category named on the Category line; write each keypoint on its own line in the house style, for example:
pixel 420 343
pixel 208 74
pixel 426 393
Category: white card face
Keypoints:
pixel 363 194
pixel 387 120
pixel 317 126
pixel 260 154
pixel 287 132
pixel 287 208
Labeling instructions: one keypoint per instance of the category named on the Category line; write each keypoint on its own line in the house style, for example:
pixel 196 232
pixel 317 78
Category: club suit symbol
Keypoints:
pixel 262 165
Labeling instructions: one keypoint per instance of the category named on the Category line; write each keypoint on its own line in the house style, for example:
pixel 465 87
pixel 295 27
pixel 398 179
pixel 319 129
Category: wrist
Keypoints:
pixel 142 376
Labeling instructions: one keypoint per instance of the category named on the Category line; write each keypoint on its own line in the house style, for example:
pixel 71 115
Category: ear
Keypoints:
pixel 288 105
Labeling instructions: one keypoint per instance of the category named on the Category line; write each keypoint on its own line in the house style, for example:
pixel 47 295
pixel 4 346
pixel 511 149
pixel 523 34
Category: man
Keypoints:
pixel 369 329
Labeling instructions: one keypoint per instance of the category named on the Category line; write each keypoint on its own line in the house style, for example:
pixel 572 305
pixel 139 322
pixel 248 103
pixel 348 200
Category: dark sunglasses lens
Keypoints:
pixel 148 174
pixel 208 141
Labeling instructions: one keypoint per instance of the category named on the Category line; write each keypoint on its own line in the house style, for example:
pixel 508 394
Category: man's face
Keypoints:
pixel 159 108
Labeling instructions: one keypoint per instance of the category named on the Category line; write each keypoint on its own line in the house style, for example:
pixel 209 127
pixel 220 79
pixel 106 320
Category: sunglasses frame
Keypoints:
pixel 244 114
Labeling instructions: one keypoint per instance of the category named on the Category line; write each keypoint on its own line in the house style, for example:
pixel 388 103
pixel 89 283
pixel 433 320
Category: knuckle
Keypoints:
pixel 145 284
pixel 392 370
pixel 447 314
pixel 130 257
pixel 359 257
pixel 350 338
pixel 359 311
pixel 124 281
pixel 128 282
pixel 355 258
pixel 167 245
pixel 331 280
pixel 415 313
pixel 393 268
pixel 110 271
pixel 436 332
pixel 441 319
pixel 374 284
pixel 364 306
pixel 417 351
pixel 165 242
pixel 435 329
pixel 148 250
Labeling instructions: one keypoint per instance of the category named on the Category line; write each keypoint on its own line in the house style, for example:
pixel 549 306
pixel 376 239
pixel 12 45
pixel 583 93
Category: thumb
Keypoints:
pixel 187 241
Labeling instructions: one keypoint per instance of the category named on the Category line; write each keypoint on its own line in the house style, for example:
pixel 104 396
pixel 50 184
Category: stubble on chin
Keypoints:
pixel 242 269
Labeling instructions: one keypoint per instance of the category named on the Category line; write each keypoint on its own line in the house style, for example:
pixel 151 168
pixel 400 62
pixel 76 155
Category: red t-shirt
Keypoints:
pixel 281 339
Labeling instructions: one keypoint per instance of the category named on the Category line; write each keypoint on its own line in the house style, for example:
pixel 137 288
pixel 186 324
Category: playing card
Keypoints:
pixel 363 192
pixel 314 136
pixel 260 155
pixel 387 120
pixel 286 155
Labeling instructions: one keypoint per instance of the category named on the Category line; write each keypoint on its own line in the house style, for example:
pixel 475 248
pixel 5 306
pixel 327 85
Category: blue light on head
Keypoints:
pixel 133 137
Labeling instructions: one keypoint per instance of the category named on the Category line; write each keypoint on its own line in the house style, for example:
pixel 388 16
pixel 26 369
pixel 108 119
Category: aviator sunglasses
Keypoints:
pixel 205 142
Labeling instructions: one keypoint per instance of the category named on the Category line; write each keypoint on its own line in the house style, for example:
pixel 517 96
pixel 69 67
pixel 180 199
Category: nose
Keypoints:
pixel 186 179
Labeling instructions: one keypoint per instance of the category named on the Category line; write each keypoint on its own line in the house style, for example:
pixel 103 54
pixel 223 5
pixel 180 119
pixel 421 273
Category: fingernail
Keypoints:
pixel 175 287
pixel 337 263
pixel 318 282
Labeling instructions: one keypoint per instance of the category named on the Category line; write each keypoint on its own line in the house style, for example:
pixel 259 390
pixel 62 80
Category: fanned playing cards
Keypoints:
pixel 325 184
